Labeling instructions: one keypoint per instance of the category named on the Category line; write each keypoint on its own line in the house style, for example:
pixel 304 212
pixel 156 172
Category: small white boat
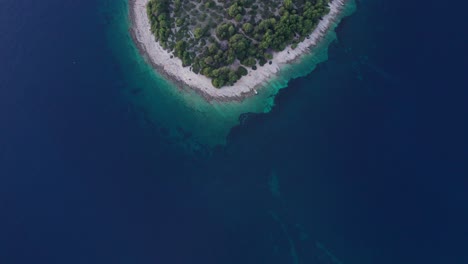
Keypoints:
pixel 255 91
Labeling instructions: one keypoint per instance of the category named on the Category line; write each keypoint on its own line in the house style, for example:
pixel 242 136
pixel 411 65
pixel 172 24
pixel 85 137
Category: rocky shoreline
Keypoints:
pixel 171 67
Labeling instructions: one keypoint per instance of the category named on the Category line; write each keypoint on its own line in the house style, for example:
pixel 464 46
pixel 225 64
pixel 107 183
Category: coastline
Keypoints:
pixel 172 68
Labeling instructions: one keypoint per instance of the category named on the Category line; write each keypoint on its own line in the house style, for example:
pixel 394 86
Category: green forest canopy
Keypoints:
pixel 219 39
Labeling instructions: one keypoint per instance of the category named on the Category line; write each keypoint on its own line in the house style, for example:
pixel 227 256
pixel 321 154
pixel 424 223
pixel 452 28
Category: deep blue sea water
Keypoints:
pixel 365 160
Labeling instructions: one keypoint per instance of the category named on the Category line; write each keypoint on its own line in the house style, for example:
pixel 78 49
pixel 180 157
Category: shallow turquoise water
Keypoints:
pixel 184 116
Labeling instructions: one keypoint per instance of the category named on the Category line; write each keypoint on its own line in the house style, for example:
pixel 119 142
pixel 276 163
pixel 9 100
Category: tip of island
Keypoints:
pixel 228 49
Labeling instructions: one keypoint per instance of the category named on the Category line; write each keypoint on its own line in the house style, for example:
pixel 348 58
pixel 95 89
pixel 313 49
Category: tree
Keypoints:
pixel 216 83
pixel 212 49
pixel 230 56
pixel 247 27
pixel 177 5
pixel 231 30
pixel 179 22
pixel 249 62
pixel 241 71
pixel 207 71
pixel 196 68
pixel 180 48
pixel 225 30
pixel 240 45
pixel 186 59
pixel 209 60
pixel 198 33
pixel 235 9
pixel 232 77
pixel 288 4
pixel 209 4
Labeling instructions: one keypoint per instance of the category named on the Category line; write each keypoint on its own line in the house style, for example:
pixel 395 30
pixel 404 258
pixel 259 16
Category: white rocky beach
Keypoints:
pixel 247 85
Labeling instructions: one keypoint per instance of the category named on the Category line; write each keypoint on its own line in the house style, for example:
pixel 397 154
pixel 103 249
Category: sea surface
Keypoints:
pixel 357 154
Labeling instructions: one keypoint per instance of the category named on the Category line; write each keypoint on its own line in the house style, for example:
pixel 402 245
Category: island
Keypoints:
pixel 227 49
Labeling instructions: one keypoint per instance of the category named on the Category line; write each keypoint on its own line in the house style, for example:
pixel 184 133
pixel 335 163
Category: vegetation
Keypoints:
pixel 221 38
